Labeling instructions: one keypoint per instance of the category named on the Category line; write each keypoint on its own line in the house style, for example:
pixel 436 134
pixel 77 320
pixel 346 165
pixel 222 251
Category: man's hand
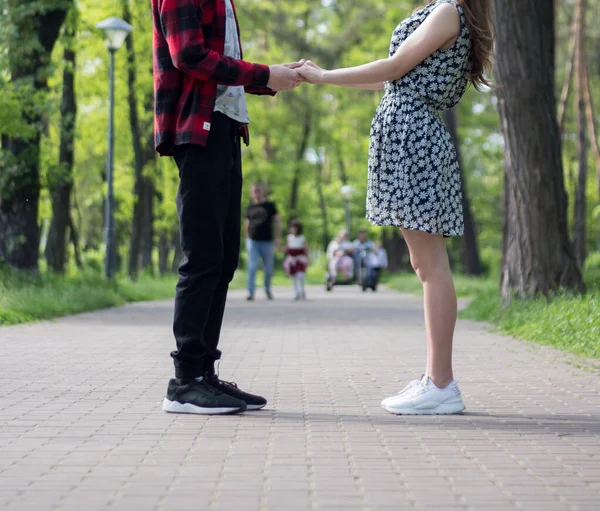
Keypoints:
pixel 284 76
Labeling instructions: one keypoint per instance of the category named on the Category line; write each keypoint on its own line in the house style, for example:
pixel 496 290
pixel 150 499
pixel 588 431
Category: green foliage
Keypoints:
pixel 565 321
pixel 465 286
pixel 24 297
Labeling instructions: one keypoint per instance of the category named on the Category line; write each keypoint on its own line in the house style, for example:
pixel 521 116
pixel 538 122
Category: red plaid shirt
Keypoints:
pixel 189 39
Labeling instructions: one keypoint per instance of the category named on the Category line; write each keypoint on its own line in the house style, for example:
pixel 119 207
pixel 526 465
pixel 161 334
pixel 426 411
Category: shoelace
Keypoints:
pixel 411 384
pixel 418 388
pixel 230 384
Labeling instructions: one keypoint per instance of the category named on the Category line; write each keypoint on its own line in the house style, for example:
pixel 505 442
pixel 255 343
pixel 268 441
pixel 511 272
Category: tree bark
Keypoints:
pixel 538 257
pixel 56 246
pixel 397 250
pixel 564 97
pixel 36 31
pixel 147 224
pixel 306 130
pixel 579 224
pixel 163 253
pixel 470 246
pixel 140 247
pixel 74 236
pixel 325 235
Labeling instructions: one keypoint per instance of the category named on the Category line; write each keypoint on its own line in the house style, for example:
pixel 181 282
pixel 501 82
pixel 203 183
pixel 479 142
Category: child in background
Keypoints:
pixel 296 260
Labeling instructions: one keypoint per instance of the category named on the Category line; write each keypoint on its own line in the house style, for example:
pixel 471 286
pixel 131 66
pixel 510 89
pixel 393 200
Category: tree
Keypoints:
pixel 579 229
pixel 36 25
pixel 62 178
pixel 140 248
pixel 470 246
pixel 537 253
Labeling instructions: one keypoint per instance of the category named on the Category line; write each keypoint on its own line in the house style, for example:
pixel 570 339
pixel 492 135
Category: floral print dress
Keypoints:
pixel 414 177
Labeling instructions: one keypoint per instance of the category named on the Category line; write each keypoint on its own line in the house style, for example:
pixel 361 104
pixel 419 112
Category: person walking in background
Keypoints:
pixel 377 262
pixel 200 116
pixel 414 177
pixel 296 260
pixel 263 233
pixel 363 246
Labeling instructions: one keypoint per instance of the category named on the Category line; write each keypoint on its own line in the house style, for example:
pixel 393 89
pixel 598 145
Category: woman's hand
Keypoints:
pixel 311 72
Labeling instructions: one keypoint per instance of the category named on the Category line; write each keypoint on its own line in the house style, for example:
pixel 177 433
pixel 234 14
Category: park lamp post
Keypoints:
pixel 347 192
pixel 115 31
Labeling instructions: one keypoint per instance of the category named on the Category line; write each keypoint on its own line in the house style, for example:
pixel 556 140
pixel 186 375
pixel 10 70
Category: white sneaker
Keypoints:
pixel 422 397
pixel 410 385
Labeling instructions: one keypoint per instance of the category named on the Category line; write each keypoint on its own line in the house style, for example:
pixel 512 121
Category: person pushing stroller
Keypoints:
pixel 340 254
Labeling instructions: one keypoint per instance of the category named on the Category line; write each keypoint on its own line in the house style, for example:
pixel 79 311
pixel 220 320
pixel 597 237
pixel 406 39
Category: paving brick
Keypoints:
pixel 87 431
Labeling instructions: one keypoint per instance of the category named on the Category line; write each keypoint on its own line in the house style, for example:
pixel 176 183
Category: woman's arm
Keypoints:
pixel 367 86
pixel 440 28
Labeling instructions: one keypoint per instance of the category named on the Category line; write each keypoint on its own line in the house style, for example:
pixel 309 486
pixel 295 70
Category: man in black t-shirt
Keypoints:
pixel 261 220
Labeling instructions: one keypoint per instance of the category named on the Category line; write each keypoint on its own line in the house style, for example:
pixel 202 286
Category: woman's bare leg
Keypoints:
pixel 429 258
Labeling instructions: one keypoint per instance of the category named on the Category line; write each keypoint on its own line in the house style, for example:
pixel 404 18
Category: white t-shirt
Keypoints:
pixel 294 241
pixel 231 101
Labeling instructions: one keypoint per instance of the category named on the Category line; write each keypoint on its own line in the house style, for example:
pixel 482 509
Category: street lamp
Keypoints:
pixel 115 31
pixel 347 192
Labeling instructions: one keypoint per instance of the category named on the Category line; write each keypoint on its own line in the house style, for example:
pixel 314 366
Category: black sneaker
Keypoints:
pixel 269 295
pixel 250 298
pixel 252 402
pixel 198 396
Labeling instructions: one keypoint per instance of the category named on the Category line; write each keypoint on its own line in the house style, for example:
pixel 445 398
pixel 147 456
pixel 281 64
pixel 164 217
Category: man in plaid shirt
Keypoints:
pixel 200 82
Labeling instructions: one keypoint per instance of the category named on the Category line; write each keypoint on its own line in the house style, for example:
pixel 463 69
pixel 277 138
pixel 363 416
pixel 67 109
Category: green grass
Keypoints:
pixel 565 321
pixel 25 298
pixel 465 286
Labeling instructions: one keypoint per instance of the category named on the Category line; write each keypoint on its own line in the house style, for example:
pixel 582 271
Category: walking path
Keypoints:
pixel 81 427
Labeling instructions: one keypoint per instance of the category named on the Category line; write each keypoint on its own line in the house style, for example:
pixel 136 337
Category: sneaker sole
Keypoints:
pixel 255 407
pixel 175 407
pixel 443 409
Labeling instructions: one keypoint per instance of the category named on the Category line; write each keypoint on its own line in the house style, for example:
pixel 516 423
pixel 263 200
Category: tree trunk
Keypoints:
pixel 163 253
pixel 35 33
pixel 325 236
pixel 74 235
pixel 564 97
pixel 470 246
pixel 537 254
pixel 579 223
pixel 306 130
pixel 140 246
pixel 56 247
pixel 397 250
pixel 147 224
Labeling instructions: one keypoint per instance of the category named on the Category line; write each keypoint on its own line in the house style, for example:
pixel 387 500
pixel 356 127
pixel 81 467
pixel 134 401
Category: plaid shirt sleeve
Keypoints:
pixel 181 23
pixel 260 91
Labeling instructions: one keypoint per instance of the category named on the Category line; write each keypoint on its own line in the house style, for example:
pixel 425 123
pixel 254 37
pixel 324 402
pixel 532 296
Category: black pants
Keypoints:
pixel 209 208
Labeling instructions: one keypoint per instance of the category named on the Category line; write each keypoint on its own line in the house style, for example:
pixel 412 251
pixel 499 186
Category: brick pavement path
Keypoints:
pixel 81 428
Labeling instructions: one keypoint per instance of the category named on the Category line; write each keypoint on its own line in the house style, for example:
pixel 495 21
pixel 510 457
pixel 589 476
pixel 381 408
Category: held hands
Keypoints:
pixel 311 73
pixel 289 76
pixel 284 76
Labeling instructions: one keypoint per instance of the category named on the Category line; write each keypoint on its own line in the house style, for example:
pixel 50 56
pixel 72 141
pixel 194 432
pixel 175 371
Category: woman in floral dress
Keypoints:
pixel 414 177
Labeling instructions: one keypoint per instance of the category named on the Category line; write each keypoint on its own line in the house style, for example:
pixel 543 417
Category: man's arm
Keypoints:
pixel 181 23
pixel 246 227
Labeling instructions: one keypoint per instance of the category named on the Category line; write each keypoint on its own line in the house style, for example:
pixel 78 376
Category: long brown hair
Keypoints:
pixel 478 14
